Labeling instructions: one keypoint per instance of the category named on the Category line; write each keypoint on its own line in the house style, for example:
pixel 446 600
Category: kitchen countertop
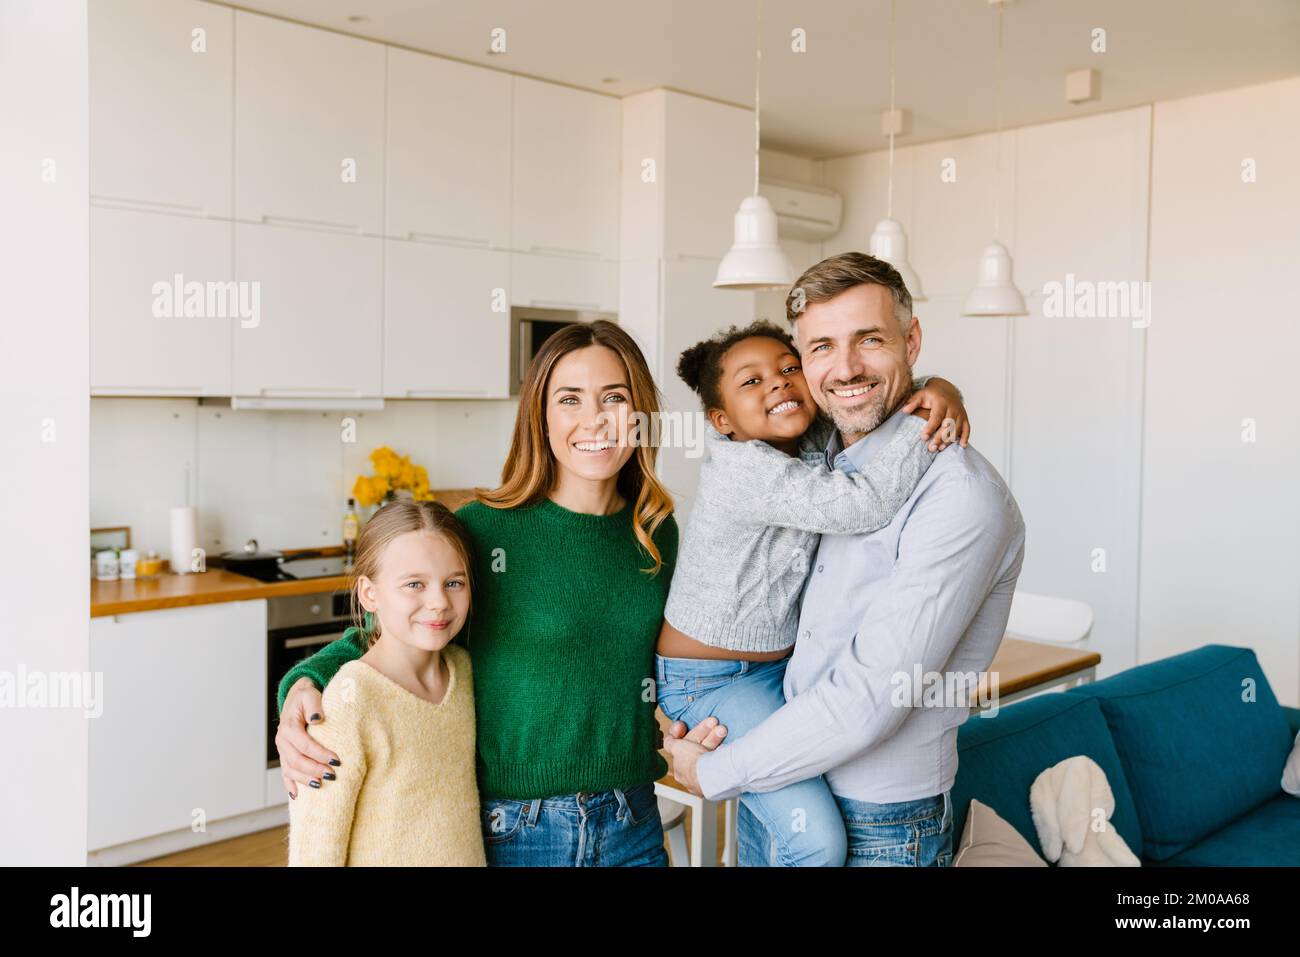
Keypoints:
pixel 127 596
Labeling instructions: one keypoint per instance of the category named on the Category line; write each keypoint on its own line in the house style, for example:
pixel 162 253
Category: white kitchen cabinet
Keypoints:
pixel 690 309
pixel 448 151
pixel 441 335
pixel 142 342
pixel 563 282
pixel 309 126
pixel 321 314
pixel 160 105
pixel 566 158
pixel 708 169
pixel 183 728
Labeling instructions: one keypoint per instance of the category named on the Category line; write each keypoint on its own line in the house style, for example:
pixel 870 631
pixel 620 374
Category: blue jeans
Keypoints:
pixel 603 829
pixel 904 834
pixel 803 819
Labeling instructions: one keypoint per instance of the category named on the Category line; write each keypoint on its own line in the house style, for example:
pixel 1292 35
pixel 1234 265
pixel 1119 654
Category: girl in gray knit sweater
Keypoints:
pixel 765 496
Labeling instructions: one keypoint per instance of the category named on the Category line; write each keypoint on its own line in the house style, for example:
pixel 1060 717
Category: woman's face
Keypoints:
pixel 588 402
pixel 764 395
pixel 420 592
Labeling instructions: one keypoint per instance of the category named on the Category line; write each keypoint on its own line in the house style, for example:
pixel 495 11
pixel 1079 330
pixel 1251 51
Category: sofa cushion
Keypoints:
pixel 989 841
pixel 998 759
pixel 1196 753
pixel 1268 836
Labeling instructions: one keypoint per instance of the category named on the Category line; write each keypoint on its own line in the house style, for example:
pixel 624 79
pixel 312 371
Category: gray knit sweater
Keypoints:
pixel 755 524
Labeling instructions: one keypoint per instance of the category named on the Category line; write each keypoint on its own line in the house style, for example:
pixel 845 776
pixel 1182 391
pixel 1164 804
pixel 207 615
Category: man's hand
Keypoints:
pixel 685 747
pixel 303 760
pixel 947 420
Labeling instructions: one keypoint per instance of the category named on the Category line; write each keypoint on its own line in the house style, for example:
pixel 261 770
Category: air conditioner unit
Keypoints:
pixel 810 213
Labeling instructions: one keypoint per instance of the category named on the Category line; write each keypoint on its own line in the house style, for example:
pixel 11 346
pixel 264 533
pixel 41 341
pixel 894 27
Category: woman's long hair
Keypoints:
pixel 530 471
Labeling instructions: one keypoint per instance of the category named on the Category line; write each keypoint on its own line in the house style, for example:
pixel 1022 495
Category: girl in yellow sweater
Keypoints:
pixel 401 717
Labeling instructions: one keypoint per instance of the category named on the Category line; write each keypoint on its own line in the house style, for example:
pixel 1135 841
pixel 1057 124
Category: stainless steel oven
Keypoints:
pixel 297 627
pixel 530 326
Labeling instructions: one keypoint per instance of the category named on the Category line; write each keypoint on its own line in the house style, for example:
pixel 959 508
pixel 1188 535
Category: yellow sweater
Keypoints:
pixel 406 793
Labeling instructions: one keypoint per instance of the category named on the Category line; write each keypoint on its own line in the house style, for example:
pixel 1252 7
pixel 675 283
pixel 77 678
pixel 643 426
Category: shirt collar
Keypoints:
pixel 856 456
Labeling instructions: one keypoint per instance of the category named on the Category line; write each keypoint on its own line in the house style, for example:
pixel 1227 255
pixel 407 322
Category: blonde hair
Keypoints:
pixel 530 471
pixel 392 520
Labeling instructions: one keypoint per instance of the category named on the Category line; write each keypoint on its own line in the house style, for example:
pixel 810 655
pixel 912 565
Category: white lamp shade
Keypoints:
pixel 889 242
pixel 996 294
pixel 755 260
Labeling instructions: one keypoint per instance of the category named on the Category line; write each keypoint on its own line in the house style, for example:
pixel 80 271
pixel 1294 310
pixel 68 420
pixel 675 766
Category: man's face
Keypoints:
pixel 856 360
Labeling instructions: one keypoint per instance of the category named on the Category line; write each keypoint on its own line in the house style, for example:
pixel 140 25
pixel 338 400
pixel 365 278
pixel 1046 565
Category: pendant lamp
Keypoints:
pixel 996 293
pixel 755 260
pixel 888 241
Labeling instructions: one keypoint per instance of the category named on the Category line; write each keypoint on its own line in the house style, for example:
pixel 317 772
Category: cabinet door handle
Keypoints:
pixel 312 224
pixel 475 241
pixel 560 250
pixel 146 206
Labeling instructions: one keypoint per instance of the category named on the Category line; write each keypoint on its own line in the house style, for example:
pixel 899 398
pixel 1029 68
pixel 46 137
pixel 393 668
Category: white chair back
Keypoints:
pixel 1057 621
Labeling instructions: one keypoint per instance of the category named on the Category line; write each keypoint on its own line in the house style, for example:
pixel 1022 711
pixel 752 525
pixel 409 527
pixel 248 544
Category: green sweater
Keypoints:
pixel 562 634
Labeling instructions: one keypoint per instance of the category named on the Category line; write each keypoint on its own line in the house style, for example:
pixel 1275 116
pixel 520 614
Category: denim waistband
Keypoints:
pixel 669 669
pixel 583 800
pixel 899 812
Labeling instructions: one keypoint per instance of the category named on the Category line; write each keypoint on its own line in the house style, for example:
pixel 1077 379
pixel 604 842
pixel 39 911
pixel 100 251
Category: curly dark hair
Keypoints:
pixel 700 366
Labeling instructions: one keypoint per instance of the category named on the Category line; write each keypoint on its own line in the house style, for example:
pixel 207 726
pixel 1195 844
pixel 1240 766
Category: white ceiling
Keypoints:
pixel 827 101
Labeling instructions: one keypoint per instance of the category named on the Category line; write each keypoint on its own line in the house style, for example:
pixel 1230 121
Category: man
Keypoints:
pixel 928 595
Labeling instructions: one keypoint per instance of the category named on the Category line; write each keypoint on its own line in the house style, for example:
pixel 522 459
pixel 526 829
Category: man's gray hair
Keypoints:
pixel 832 276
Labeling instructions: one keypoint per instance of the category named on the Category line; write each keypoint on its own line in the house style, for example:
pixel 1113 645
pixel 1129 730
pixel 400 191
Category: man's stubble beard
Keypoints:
pixel 879 407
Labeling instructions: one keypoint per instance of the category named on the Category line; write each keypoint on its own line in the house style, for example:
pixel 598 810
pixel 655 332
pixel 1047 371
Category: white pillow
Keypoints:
pixel 1291 771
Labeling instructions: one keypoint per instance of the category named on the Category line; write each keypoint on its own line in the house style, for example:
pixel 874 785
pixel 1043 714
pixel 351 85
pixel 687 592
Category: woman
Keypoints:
pixel 574 553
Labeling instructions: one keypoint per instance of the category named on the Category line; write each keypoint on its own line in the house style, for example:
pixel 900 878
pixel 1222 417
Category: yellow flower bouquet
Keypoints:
pixel 395 477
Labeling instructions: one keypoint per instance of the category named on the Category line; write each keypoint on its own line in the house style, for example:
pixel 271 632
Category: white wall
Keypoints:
pixel 1221 518
pixel 1097 423
pixel 676 228
pixel 44 271
pixel 280 477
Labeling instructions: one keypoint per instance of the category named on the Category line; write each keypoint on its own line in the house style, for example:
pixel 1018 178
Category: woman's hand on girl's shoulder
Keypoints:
pixel 303 760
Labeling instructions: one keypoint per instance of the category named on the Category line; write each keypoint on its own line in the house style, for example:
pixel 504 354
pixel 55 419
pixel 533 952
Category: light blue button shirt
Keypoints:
pixel 927 596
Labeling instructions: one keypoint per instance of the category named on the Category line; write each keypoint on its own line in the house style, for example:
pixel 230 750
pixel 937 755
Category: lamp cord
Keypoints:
pixel 758 69
pixel 997 169
pixel 892 117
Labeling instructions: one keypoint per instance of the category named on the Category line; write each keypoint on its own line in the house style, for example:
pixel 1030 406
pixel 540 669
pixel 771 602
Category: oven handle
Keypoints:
pixel 314 629
pixel 311 640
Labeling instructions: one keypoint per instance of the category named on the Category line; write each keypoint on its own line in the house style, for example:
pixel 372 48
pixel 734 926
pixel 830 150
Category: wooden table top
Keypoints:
pixel 1019 664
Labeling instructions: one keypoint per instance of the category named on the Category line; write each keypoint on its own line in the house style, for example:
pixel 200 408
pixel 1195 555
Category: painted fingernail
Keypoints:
pixel 293 797
pixel 328 776
pixel 314 717
pixel 313 784
pixel 336 762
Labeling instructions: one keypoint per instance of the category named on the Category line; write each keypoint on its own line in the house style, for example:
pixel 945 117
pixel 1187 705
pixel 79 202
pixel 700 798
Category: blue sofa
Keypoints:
pixel 1193 747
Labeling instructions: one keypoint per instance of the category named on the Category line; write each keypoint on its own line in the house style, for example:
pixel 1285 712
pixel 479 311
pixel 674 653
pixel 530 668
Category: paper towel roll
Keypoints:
pixel 185 537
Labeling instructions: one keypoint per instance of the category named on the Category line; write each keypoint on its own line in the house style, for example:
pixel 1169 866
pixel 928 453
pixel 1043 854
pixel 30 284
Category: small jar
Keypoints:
pixel 150 566
pixel 127 562
pixel 107 567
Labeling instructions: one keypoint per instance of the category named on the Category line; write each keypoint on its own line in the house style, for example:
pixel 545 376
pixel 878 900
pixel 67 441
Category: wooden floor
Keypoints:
pixel 270 849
